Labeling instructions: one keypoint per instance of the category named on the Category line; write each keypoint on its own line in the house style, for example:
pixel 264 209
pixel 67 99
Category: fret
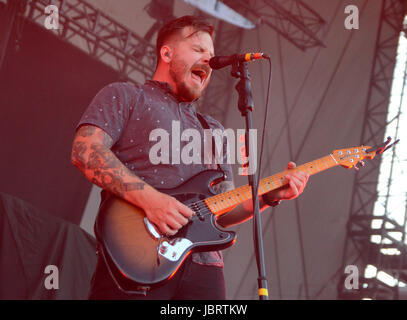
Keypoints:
pixel 244 189
pixel 228 198
pixel 266 184
pixel 234 198
pixel 223 202
pixel 215 203
pixel 243 193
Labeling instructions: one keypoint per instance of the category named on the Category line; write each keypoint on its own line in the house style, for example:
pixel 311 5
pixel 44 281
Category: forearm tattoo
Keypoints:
pixel 78 153
pixel 99 163
pixel 86 131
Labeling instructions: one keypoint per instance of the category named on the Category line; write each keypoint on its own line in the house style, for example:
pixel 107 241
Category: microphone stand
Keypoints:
pixel 246 106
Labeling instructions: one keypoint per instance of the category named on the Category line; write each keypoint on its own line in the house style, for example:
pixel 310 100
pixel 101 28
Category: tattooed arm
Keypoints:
pixel 91 154
pixel 296 184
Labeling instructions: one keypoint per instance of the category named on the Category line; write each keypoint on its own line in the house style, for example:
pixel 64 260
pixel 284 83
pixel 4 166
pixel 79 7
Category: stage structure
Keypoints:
pixel 133 55
pixel 361 224
pixel 101 37
pixel 293 20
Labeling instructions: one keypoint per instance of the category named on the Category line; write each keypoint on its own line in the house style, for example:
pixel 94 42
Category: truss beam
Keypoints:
pixel 292 19
pixel 100 36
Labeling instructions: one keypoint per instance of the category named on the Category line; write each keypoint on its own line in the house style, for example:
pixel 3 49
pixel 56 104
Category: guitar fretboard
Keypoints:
pixel 224 202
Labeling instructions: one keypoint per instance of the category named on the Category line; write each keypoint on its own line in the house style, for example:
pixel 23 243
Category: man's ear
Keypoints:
pixel 166 53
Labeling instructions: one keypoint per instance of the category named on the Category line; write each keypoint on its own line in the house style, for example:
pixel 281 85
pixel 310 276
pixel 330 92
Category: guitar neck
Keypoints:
pixel 224 202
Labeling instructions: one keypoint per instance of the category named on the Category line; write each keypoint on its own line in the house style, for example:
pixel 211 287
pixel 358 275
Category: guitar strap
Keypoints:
pixel 205 125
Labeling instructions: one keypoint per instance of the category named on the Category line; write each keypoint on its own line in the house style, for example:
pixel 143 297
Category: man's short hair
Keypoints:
pixel 175 26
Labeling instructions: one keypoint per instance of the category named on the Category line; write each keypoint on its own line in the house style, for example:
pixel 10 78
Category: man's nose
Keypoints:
pixel 205 58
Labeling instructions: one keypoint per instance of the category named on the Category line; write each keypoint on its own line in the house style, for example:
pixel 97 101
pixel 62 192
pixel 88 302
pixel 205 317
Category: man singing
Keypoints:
pixel 111 148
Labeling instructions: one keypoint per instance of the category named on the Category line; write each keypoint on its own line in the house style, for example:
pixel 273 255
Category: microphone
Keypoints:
pixel 219 62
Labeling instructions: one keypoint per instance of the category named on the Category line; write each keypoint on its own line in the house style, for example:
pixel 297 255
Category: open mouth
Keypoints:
pixel 199 75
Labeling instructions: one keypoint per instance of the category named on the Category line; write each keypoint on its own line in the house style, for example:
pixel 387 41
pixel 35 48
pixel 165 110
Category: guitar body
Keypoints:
pixel 137 256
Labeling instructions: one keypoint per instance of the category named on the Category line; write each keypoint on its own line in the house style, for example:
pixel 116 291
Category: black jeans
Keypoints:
pixel 192 282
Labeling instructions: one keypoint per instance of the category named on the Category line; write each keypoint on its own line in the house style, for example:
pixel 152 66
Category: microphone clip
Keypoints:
pixel 235 69
pixel 240 70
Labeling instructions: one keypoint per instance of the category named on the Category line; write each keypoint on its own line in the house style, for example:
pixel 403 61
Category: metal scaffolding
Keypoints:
pixel 133 56
pixel 364 195
pixel 293 20
pixel 100 36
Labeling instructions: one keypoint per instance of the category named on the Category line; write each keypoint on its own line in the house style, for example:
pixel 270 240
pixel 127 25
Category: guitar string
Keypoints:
pixel 203 208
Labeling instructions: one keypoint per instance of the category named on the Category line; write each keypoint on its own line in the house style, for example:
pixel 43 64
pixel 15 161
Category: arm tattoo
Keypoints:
pixel 86 131
pixel 93 154
pixel 78 153
pixel 102 158
pixel 109 180
pixel 109 172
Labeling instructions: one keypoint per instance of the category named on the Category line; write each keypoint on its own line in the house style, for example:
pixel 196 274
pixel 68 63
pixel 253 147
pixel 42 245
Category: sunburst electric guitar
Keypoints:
pixel 139 257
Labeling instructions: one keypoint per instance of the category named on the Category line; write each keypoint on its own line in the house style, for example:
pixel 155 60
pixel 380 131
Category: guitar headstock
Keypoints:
pixel 350 157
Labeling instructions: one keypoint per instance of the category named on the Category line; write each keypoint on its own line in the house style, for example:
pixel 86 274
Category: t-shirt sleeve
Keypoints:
pixel 110 108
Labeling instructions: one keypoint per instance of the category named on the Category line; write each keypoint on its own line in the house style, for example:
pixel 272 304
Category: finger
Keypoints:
pixel 305 179
pixel 171 232
pixel 294 190
pixel 173 223
pixel 301 176
pixel 165 230
pixel 298 182
pixel 185 211
pixel 291 165
pixel 180 218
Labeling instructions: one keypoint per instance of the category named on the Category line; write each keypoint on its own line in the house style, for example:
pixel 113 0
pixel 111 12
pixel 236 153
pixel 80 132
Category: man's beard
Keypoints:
pixel 179 73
